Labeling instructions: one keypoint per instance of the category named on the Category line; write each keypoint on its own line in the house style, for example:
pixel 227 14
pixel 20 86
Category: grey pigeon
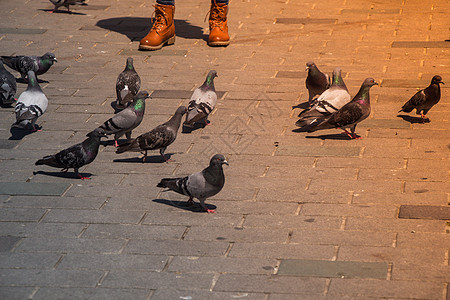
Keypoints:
pixel 201 185
pixel 31 104
pixel 126 120
pixel 23 64
pixel 316 81
pixel 158 138
pixel 351 113
pixel 75 156
pixel 65 3
pixel 127 85
pixel 329 102
pixel 424 99
pixel 202 102
pixel 8 86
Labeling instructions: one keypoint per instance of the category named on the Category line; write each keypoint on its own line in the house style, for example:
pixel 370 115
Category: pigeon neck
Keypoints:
pixel 139 104
pixel 33 83
pixel 175 120
pixel 214 175
pixel 91 144
pixel 209 83
pixel 129 66
pixel 363 95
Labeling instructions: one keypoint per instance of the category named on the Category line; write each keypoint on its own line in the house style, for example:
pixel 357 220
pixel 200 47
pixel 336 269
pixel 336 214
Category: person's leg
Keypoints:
pixel 163 29
pixel 218 26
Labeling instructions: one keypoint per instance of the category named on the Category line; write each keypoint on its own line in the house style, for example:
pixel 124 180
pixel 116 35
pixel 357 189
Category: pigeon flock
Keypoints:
pixel 329 106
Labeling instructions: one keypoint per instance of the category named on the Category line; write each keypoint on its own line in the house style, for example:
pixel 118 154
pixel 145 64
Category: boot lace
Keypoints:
pixel 160 19
pixel 217 16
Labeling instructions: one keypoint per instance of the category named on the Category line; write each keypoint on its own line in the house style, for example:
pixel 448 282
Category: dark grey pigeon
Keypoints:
pixel 351 113
pixel 31 104
pixel 127 85
pixel 23 64
pixel 329 102
pixel 316 81
pixel 158 138
pixel 202 102
pixel 8 86
pixel 424 99
pixel 201 185
pixel 65 3
pixel 126 120
pixel 75 156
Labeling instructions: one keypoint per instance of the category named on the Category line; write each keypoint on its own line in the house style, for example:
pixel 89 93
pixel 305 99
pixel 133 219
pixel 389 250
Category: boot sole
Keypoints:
pixel 215 44
pixel 170 41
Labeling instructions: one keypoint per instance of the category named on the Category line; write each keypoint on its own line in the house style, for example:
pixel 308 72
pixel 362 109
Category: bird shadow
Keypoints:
pixel 135 28
pixel 70 175
pixel 185 205
pixel 59 11
pixel 151 159
pixel 414 120
pixel 6 105
pixel 303 105
pixel 339 136
pixel 20 133
pixel 196 126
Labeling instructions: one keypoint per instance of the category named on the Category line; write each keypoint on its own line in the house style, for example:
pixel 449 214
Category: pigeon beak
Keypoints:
pixel 55 60
pixel 442 82
pixel 307 68
pixel 225 162
pixel 376 83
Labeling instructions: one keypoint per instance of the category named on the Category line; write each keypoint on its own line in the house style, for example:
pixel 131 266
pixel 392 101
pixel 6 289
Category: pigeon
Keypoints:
pixel 351 113
pixel 31 104
pixel 127 85
pixel 126 120
pixel 23 64
pixel 316 81
pixel 75 156
pixel 202 102
pixel 158 138
pixel 65 3
pixel 425 99
pixel 201 185
pixel 327 103
pixel 8 86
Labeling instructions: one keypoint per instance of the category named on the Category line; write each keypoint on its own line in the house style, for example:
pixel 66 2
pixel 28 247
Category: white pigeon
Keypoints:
pixel 32 104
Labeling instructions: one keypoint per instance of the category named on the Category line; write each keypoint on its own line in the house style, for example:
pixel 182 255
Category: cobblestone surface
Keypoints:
pixel 292 199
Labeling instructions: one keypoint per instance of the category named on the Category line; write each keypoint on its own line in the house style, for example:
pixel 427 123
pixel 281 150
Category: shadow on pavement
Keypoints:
pixel 19 133
pixel 152 159
pixel 185 205
pixel 60 174
pixel 340 136
pixel 414 120
pixel 135 28
pixel 59 11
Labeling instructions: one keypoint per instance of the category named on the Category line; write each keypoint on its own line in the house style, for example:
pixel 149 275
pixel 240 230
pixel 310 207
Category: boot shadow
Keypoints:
pixel 135 28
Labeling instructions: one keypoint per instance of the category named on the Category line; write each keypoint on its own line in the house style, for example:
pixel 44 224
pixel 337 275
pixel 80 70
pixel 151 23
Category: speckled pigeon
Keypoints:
pixel 158 138
pixel 31 104
pixel 75 156
pixel 126 120
pixel 351 113
pixel 201 185
pixel 65 3
pixel 329 102
pixel 23 64
pixel 202 102
pixel 316 81
pixel 8 86
pixel 127 85
pixel 425 99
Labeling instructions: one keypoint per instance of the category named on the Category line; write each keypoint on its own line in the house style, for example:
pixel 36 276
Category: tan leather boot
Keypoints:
pixel 218 26
pixel 163 29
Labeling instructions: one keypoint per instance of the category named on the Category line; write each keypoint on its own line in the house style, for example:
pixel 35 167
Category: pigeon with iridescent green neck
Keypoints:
pixel 316 82
pixel 22 64
pixel 31 104
pixel 127 85
pixel 351 113
pixel 126 120
pixel 8 86
pixel 75 156
pixel 202 102
pixel 327 103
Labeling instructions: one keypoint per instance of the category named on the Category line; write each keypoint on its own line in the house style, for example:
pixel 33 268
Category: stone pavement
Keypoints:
pixel 302 216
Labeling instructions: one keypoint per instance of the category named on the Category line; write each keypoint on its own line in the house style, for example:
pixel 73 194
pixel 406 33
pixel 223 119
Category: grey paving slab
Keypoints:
pixel 330 269
pixel 49 278
pixel 37 189
pixel 291 21
pixel 32 229
pixel 90 203
pixel 6 30
pixel 16 292
pixel 8 243
pixel 202 294
pixel 420 44
pixel 91 293
pixel 70 245
pixel 93 216
pixel 424 212
pixel 128 231
pixel 44 261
